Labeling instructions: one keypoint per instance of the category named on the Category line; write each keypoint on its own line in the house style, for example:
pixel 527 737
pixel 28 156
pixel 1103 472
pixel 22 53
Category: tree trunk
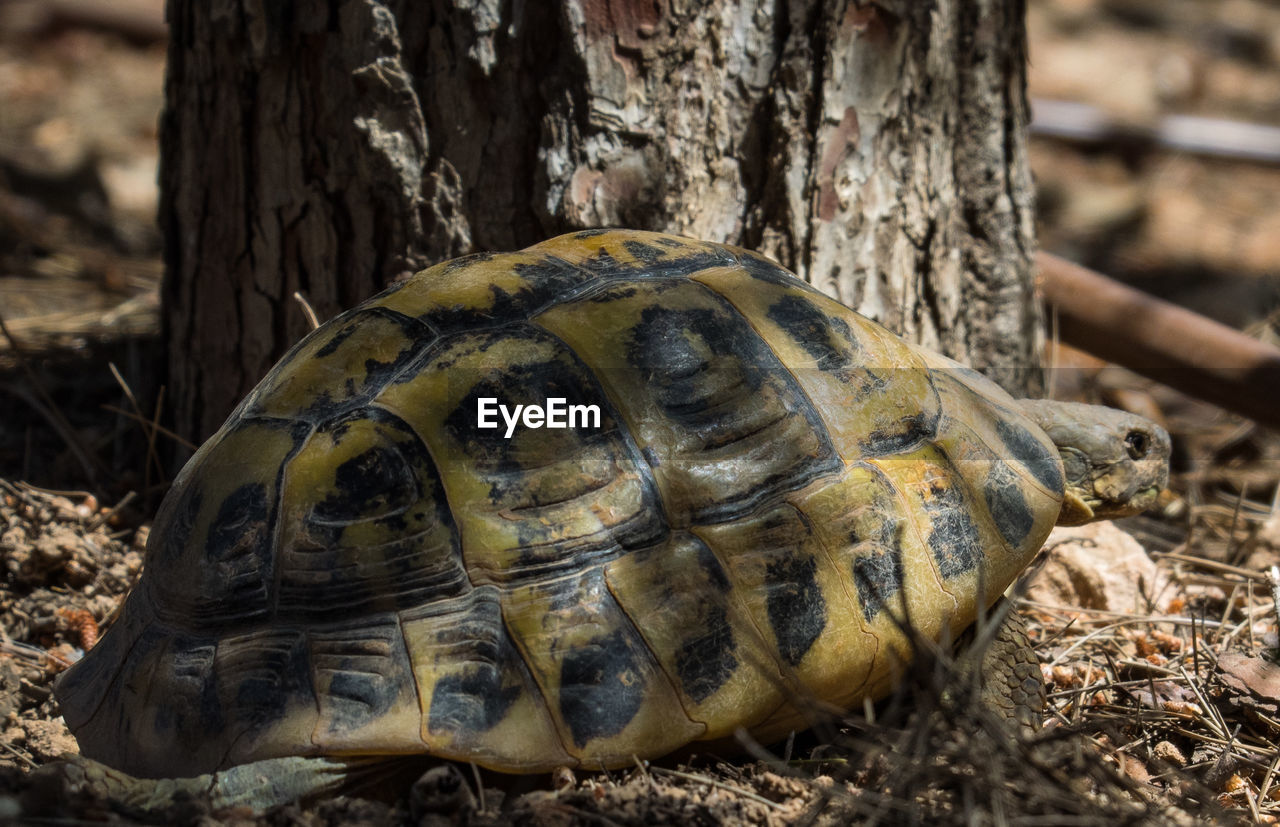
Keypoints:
pixel 876 149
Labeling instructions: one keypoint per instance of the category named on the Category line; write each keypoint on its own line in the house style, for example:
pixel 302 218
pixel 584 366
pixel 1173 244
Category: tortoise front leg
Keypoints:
pixel 1008 671
pixel 258 785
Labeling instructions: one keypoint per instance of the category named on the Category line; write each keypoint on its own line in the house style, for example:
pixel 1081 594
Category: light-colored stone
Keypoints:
pixel 1097 566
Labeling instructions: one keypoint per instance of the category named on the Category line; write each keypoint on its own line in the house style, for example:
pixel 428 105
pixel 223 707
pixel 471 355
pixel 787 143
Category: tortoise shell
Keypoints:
pixel 774 483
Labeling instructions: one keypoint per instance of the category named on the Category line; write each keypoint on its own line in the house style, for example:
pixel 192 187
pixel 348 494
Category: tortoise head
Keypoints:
pixel 1115 463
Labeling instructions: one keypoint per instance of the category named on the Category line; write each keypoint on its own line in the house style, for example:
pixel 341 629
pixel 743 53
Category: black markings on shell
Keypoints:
pixel 359 672
pixel 708 657
pixel 759 267
pixel 472 701
pixel 376 482
pixel 709 565
pixel 192 710
pixel 491 676
pixel 676 348
pixel 358 388
pixel 591 458
pixel 601 687
pixel 877 570
pixel 953 535
pixel 645 253
pixel 241 525
pixel 269 671
pixel 237 551
pixel 654 263
pixel 910 431
pixel 1043 464
pixel 815 332
pixel 336 340
pixel 1003 493
pixel 466 261
pixel 403 548
pixel 548 281
pixel 521 383
pixel 796 608
pixel 714 378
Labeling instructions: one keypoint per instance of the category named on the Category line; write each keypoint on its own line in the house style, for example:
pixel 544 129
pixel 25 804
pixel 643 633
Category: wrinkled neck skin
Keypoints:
pixel 1115 463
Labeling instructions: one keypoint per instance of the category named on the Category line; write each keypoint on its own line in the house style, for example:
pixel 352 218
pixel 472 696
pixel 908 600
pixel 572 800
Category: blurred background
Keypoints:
pixel 1171 180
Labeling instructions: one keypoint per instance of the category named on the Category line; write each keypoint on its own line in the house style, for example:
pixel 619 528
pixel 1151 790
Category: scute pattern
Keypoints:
pixel 373 530
pixel 352 566
pixel 545 501
pixel 721 423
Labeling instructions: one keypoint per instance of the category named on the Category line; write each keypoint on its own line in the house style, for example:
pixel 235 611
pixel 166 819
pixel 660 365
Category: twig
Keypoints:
pixel 1273 579
pixel 55 492
pixel 139 22
pixel 31 655
pixel 1224 743
pixel 149 426
pixel 1253 805
pixel 1265 786
pixel 1235 521
pixel 19 755
pixel 307 310
pixel 1121 618
pixel 59 425
pixel 152 456
pixel 475 770
pixel 1211 565
pixel 1105 683
pixel 1211 713
pixel 1215 137
pixel 50 408
pixel 1062 658
pixel 712 782
pixel 1170 344
pixel 159 428
pixel 1249 602
pixel 133 316
pixel 99 519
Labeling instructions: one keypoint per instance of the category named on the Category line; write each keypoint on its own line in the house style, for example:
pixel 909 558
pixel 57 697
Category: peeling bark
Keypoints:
pixel 330 146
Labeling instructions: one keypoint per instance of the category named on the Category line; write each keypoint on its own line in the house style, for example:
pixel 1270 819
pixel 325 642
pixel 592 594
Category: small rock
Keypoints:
pixel 1096 566
pixel 47 740
pixel 1169 754
pixel 780 788
pixel 64 510
pixel 49 552
pixel 562 778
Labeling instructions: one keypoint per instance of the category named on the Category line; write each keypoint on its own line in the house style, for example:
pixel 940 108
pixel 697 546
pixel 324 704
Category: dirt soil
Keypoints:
pixel 1156 641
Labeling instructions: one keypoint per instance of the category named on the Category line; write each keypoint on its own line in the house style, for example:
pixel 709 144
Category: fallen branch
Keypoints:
pixel 1213 137
pixel 1170 344
pixel 140 21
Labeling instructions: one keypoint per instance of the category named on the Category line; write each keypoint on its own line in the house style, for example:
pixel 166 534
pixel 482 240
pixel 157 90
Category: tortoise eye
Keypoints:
pixel 1137 444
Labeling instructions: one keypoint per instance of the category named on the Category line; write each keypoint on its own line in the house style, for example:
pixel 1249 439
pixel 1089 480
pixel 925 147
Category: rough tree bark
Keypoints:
pixel 329 146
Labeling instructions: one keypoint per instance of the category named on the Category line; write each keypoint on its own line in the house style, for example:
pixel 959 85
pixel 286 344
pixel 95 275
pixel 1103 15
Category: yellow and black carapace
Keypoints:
pixel 358 563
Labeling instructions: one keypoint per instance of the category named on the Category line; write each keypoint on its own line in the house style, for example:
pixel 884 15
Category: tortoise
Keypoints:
pixel 757 487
